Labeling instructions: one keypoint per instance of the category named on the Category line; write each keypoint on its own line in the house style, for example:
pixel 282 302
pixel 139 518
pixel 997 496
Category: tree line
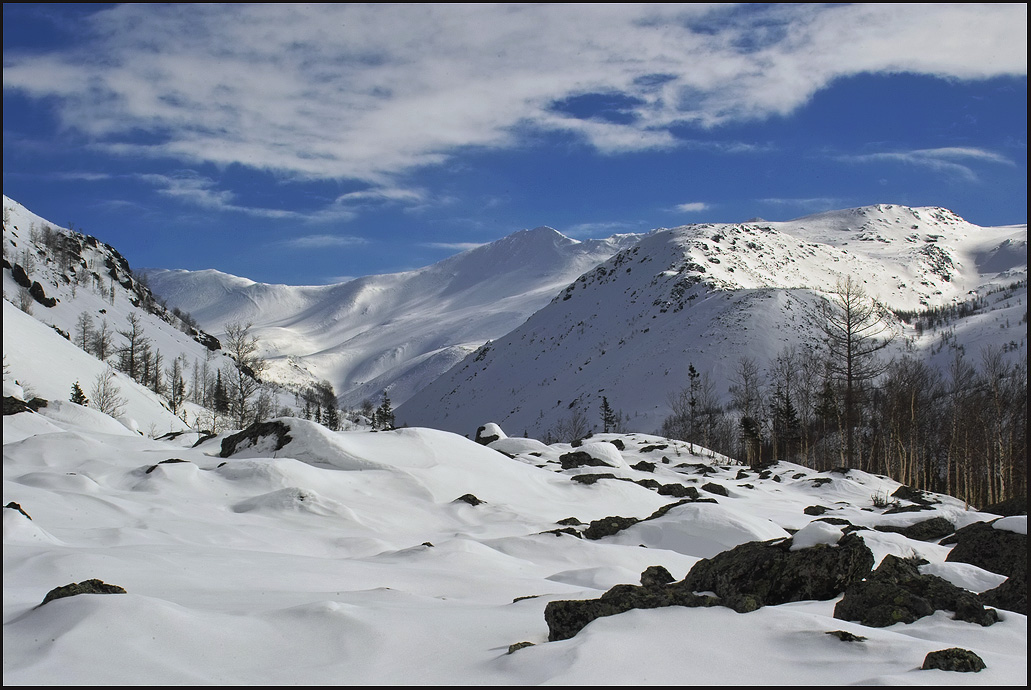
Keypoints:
pixel 962 431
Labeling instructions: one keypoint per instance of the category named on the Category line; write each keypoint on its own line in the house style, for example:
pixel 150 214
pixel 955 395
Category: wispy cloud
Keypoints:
pixel 604 228
pixel 692 207
pixel 945 160
pixel 454 246
pixel 370 93
pixel 198 190
pixel 321 242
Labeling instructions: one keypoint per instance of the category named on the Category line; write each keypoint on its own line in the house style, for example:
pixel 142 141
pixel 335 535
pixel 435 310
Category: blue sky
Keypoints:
pixel 304 144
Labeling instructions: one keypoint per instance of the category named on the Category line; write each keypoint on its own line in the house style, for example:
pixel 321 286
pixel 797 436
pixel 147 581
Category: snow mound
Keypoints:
pixel 814 533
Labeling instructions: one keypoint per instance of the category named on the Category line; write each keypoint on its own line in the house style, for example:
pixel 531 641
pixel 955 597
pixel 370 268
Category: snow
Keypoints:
pixel 1014 523
pixel 351 557
pixel 816 533
pixel 346 558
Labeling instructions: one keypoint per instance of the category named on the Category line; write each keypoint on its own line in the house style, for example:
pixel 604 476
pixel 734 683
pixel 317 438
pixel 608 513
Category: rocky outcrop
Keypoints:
pixel 759 574
pixel 999 551
pixel 93 586
pixel 896 592
pixel 934 528
pixel 253 434
pixel 745 578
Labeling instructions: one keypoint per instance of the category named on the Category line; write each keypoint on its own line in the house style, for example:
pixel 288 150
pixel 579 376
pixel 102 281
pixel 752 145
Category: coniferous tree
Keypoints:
pixel 78 397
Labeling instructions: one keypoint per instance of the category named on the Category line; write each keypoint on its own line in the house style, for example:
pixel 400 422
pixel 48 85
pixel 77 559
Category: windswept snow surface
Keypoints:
pixel 394 332
pixel 345 558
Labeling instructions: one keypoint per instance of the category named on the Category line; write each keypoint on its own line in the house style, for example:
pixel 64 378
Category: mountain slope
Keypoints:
pixel 59 278
pixel 393 332
pixel 710 294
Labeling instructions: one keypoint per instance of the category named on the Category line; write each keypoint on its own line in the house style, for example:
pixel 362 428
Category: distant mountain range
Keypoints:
pixel 527 329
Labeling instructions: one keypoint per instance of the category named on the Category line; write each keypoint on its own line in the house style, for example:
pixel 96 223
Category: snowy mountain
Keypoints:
pixel 292 554
pixel 71 287
pixel 395 332
pixel 711 294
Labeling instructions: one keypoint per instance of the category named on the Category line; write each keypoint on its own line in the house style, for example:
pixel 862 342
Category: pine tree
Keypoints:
pixel 609 418
pixel 78 397
pixel 385 414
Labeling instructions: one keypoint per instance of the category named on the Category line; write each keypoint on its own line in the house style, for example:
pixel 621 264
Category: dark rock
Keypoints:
pixel 698 468
pixel 714 488
pixel 837 521
pixel 777 478
pixel 427 544
pixel 980 544
pixel 470 499
pixel 208 341
pixel 846 636
pixel 606 527
pixel 617 443
pixel 1012 506
pixel 934 528
pixel 659 446
pixel 569 521
pixel 164 462
pixel 815 510
pixel 655 576
pixel 907 509
pixel 93 586
pixel 898 593
pixel 566 618
pixel 559 531
pixel 20 276
pixel 485 440
pixel 953 659
pixel 741 474
pixel 770 573
pixel 1010 595
pixel 678 491
pixel 644 466
pixel 40 296
pixel 647 483
pixel 518 645
pixel 820 481
pixel 205 437
pixel 799 475
pixel 13 405
pixel 592 478
pixel 904 493
pixel 15 506
pixel 253 434
pixel 580 458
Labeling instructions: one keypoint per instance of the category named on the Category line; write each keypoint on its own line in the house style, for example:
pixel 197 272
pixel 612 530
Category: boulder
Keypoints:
pixel 953 659
pixel 997 550
pixel 896 592
pixel 769 573
pixel 926 530
pixel 253 434
pixel 93 586
pixel 579 458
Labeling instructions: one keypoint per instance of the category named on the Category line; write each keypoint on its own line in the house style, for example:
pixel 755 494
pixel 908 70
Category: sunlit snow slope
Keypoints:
pixel 393 332
pixel 711 294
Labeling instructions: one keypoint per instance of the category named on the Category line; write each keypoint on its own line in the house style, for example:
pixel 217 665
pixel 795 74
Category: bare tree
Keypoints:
pixel 243 380
pixel 106 395
pixel 854 332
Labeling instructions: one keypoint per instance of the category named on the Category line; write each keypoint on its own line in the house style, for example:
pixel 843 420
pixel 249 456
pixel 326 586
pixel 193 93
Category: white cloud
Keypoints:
pixel 369 92
pixel 453 246
pixel 693 207
pixel 941 159
pixel 321 242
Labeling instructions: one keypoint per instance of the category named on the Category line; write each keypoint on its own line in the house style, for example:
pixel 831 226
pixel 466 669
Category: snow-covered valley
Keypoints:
pixel 294 554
